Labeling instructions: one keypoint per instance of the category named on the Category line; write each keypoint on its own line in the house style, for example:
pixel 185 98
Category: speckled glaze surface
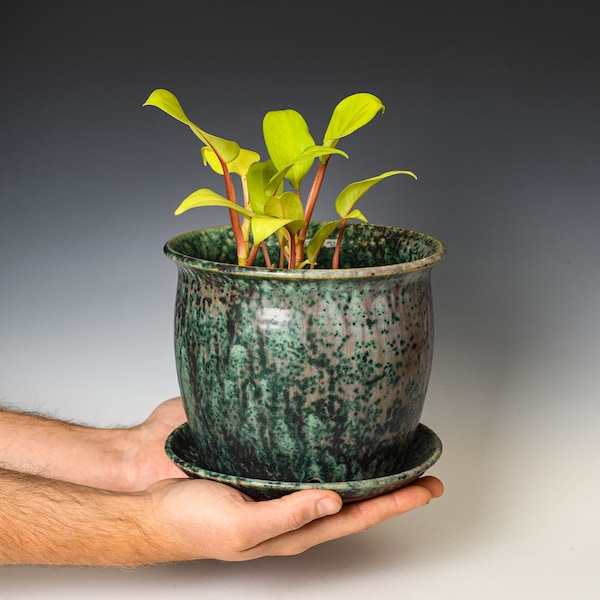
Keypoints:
pixel 424 451
pixel 306 376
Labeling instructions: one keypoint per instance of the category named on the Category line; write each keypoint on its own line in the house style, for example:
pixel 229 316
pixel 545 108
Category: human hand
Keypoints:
pixel 117 459
pixel 195 519
pixel 144 459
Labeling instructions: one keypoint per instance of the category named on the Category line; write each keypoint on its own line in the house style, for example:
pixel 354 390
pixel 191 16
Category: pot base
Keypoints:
pixel 424 452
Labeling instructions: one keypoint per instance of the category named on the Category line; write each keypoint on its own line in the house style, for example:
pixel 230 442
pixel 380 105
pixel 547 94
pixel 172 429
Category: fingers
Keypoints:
pixel 205 519
pixel 276 518
pixel 433 484
pixel 364 515
pixel 294 523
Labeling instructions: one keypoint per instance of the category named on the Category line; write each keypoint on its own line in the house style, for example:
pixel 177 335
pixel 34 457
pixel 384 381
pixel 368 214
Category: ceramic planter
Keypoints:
pixel 313 376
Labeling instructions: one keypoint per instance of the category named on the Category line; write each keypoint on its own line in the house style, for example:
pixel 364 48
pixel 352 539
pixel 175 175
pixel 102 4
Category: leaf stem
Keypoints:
pixel 247 204
pixel 252 255
pixel 238 234
pixel 281 256
pixel 292 263
pixel 311 201
pixel 335 262
pixel 267 255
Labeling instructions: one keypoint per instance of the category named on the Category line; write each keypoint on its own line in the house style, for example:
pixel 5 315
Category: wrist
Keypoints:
pixel 167 529
pixel 141 457
pixel 116 453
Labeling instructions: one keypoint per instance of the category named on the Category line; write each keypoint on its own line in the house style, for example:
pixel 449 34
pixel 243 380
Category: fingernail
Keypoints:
pixel 328 506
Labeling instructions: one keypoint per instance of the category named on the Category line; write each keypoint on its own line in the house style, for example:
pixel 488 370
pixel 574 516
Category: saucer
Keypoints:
pixel 424 452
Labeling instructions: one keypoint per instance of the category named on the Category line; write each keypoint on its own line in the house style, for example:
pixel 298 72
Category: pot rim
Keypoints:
pixel 427 262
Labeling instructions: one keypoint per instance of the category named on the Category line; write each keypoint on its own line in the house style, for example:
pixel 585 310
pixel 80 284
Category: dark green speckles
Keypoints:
pixel 425 449
pixel 305 375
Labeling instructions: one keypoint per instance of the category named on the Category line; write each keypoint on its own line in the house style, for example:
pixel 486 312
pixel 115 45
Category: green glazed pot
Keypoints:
pixel 310 376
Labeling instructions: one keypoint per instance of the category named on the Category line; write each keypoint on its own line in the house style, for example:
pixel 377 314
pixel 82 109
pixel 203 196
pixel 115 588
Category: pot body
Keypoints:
pixel 315 375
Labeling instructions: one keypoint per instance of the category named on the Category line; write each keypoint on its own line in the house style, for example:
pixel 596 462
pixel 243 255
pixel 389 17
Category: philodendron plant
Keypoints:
pixel 268 208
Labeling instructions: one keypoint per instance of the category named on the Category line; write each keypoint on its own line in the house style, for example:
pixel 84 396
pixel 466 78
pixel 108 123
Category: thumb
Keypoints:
pixel 288 513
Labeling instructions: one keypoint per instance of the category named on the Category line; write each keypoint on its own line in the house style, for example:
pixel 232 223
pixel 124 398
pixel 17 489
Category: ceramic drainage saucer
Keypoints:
pixel 423 453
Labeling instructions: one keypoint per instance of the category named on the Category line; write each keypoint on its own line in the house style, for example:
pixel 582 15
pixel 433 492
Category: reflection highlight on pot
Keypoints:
pixel 273 319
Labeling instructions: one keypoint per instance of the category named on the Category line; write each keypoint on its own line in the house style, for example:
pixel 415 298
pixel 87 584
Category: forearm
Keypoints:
pixel 55 449
pixel 44 521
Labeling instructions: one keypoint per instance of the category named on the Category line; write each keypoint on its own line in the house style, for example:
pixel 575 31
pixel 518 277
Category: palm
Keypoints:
pixel 206 519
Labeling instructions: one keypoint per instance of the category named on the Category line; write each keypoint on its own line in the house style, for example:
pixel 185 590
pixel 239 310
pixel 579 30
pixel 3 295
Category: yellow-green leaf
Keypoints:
pixel 257 179
pixel 352 193
pixel 309 153
pixel 206 197
pixel 168 102
pixel 210 158
pixel 263 226
pixel 356 214
pixel 317 241
pixel 287 206
pixel 286 136
pixel 240 165
pixel 351 114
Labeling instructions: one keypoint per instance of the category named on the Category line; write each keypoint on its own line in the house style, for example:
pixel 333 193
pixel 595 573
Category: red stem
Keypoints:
pixel 267 256
pixel 335 262
pixel 252 255
pixel 238 234
pixel 310 207
pixel 281 257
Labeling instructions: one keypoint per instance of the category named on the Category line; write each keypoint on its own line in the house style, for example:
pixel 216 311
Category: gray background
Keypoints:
pixel 494 105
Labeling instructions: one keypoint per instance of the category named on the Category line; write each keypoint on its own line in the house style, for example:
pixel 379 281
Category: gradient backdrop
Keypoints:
pixel 495 105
